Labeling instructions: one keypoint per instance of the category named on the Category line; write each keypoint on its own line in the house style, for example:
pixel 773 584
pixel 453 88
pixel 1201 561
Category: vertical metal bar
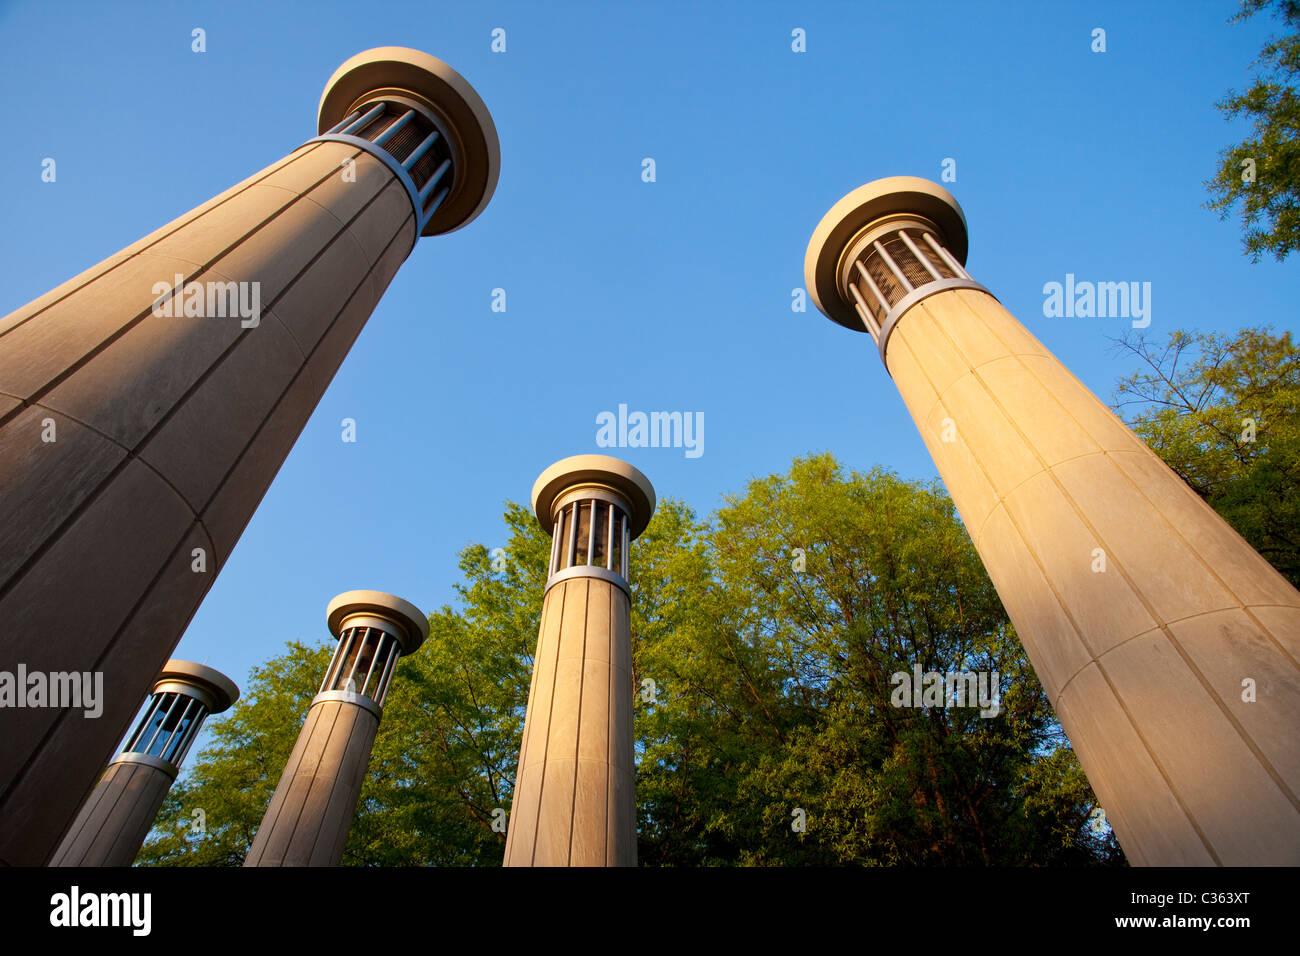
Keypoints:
pixel 189 702
pixel 945 255
pixel 433 180
pixel 176 699
pixel 420 151
pixel 867 318
pixel 134 740
pixel 893 266
pixel 383 636
pixel 626 542
pixel 365 120
pixel 572 553
pixel 347 120
pixel 871 284
pixel 343 656
pixel 190 733
pixel 394 128
pixel 609 539
pixel 356 660
pixel 437 201
pixel 591 534
pixel 555 547
pixel 336 662
pixel 382 689
pixel 924 260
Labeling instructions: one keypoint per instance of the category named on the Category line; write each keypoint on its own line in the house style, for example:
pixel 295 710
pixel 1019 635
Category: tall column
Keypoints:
pixel 146 405
pixel 1146 617
pixel 574 801
pixel 308 818
pixel 114 821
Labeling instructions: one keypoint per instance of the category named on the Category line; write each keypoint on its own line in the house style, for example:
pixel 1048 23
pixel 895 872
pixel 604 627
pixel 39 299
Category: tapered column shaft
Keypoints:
pixel 308 819
pixel 574 799
pixel 1167 645
pixel 114 821
pixel 147 404
pixel 310 815
pixel 167 433
pixel 1145 661
pixel 116 818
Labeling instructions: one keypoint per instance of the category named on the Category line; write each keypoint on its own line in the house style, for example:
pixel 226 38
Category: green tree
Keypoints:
pixel 1224 414
pixel 1262 173
pixel 775 690
pixel 443 760
pixel 767 690
pixel 210 815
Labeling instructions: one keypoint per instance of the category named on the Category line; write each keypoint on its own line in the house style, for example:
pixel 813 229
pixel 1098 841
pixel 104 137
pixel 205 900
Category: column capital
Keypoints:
pixel 597 471
pixel 219 688
pixel 395 72
pixel 875 203
pixel 411 621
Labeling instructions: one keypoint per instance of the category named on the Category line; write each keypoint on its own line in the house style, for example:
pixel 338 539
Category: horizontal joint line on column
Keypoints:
pixel 270 172
pixel 588 571
pixel 210 265
pixel 902 306
pixel 306 362
pixel 388 160
pixel 98 664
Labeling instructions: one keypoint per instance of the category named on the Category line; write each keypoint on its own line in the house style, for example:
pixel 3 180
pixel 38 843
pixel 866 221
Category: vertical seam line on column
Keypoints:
pixel 276 167
pixel 1068 615
pixel 577 741
pixel 1162 624
pixel 108 817
pixel 138 812
pixel 85 814
pixel 280 400
pixel 269 820
pixel 288 843
pixel 1156 619
pixel 8 787
pixel 1180 620
pixel 76 366
pixel 361 757
pixel 515 790
pixel 336 781
pixel 1119 566
pixel 546 739
pixel 133 453
pixel 79 822
pixel 1141 448
pixel 610 770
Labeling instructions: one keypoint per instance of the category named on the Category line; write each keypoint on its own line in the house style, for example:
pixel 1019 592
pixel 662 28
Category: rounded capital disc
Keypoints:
pixel 612 473
pixel 399 70
pixel 892 196
pixel 413 622
pixel 221 687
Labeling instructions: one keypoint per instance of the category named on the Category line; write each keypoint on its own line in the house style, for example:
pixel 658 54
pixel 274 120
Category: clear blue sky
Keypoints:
pixel 666 296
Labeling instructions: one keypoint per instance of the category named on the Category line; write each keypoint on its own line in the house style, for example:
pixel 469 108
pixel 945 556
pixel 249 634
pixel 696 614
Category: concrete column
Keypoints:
pixel 574 801
pixel 113 823
pixel 1146 617
pixel 146 405
pixel 308 819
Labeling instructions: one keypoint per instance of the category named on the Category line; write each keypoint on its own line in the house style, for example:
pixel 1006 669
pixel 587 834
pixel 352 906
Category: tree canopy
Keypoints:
pixel 1224 413
pixel 765 732
pixel 1262 173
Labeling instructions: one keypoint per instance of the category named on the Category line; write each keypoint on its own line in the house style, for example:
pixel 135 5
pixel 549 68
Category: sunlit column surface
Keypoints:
pixel 1145 660
pixel 139 428
pixel 114 821
pixel 574 802
pixel 308 819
